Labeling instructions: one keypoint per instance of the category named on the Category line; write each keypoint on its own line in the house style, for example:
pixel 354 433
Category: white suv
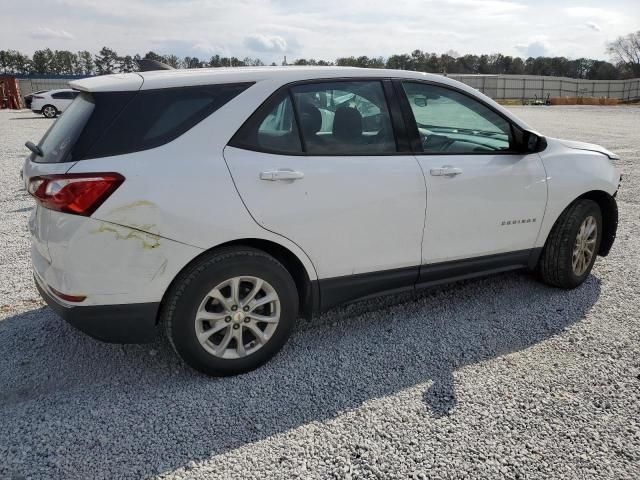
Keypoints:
pixel 52 102
pixel 224 203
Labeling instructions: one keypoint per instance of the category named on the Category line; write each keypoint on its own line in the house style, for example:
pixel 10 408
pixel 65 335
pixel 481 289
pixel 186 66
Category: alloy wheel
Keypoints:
pixel 237 317
pixel 584 248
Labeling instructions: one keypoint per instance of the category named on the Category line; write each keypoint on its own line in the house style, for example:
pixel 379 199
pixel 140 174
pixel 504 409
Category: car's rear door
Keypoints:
pixel 319 163
pixel 484 197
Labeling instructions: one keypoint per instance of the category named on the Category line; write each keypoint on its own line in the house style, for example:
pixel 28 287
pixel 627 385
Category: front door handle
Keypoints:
pixel 281 174
pixel 445 171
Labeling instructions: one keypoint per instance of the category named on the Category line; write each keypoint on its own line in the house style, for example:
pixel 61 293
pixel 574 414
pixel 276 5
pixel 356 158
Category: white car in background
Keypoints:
pixel 224 203
pixel 53 102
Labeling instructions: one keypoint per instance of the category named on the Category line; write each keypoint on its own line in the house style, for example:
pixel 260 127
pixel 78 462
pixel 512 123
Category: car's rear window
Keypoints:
pixel 114 123
pixel 57 143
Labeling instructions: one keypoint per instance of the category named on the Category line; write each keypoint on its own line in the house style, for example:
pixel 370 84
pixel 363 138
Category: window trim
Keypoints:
pixel 400 131
pixel 412 126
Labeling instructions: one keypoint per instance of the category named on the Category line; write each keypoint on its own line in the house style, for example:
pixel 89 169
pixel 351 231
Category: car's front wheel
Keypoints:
pixel 231 311
pixel 572 246
pixel 49 111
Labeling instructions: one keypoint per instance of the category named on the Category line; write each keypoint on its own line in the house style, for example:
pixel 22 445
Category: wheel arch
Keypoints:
pixel 308 291
pixel 609 210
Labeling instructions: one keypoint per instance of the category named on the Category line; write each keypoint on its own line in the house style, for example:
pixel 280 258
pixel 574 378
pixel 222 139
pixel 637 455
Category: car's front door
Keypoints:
pixel 483 197
pixel 319 164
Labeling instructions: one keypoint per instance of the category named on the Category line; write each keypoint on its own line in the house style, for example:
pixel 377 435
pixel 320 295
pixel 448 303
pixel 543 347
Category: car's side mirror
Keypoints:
pixel 532 142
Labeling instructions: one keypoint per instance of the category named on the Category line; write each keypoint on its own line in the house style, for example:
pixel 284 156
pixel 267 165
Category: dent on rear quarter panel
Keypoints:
pixel 148 234
pixel 97 257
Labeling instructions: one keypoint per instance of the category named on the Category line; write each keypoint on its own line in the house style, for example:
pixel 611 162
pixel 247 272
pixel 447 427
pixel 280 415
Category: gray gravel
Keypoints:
pixel 496 378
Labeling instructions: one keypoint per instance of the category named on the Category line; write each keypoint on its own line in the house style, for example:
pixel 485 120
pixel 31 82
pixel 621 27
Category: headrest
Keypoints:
pixel 347 123
pixel 310 118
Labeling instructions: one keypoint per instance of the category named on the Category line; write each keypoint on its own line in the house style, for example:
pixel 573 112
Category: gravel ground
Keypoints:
pixel 496 378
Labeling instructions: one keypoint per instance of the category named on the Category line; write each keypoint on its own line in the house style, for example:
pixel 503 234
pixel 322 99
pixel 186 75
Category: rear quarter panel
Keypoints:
pixel 183 191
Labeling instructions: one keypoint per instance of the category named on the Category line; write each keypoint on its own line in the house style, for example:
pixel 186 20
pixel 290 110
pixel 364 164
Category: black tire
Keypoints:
pixel 47 108
pixel 193 285
pixel 555 265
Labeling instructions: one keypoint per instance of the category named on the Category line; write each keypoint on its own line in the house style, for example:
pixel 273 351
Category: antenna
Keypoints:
pixel 147 65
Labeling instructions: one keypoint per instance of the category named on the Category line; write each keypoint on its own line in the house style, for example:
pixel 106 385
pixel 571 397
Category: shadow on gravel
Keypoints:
pixel 35 117
pixel 72 407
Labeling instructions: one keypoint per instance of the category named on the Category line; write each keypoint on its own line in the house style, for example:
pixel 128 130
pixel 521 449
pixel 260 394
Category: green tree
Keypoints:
pixel 85 63
pixel 42 61
pixel 64 62
pixel 191 62
pixel 154 56
pixel 106 61
pixel 127 64
pixel 12 61
pixel 215 61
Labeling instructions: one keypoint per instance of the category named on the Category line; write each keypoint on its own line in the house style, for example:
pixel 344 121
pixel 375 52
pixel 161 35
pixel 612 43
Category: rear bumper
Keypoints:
pixel 126 323
pixel 37 111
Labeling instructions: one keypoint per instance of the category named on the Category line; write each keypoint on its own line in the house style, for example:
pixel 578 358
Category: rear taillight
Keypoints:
pixel 76 193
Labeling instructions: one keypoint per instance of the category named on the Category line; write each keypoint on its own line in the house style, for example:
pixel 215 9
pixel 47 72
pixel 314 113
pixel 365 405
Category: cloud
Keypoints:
pixel 533 49
pixel 320 29
pixel 594 26
pixel 266 43
pixel 46 33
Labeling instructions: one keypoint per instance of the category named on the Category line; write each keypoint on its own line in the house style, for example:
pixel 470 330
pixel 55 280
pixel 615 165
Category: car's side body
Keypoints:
pixel 352 227
pixel 60 99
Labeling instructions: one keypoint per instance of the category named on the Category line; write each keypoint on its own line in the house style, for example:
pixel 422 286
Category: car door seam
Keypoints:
pixel 233 181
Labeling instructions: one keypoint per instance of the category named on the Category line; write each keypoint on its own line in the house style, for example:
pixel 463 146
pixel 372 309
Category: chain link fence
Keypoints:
pixel 516 87
pixel 523 87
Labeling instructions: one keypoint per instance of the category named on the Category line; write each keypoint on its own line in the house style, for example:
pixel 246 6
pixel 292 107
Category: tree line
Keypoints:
pixel 624 51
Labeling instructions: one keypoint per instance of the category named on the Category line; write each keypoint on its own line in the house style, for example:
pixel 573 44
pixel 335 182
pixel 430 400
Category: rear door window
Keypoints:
pixel 272 129
pixel 344 118
pixel 339 118
pixel 64 95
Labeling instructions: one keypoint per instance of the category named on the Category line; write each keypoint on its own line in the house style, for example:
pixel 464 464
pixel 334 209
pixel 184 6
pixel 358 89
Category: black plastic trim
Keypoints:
pixel 397 120
pixel 338 290
pixel 610 210
pixel 460 269
pixel 124 323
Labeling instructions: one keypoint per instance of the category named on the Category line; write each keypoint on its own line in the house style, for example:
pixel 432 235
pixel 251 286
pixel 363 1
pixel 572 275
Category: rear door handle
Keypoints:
pixel 445 171
pixel 281 174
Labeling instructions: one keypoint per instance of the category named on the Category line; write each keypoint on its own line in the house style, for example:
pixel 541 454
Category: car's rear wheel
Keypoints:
pixel 231 311
pixel 49 111
pixel 572 246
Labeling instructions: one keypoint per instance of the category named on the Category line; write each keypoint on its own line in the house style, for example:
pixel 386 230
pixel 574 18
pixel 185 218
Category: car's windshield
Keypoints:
pixel 62 135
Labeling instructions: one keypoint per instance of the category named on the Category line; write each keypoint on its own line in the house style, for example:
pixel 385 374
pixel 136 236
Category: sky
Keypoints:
pixel 320 29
